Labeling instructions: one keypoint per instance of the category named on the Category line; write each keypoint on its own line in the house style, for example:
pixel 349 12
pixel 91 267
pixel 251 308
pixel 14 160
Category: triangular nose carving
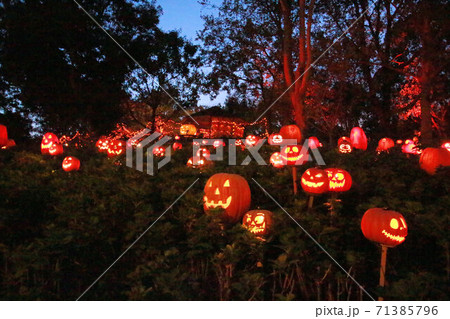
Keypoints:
pixel 217 191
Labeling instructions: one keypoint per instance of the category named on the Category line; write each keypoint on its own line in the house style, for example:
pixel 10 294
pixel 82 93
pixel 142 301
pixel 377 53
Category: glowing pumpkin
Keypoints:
pixel 203 152
pixel 115 148
pixel 410 147
pixel 291 132
pixel 159 151
pixel 314 181
pixel 199 163
pixel 230 192
pixel 188 129
pixel 446 145
pixel 276 160
pixel 71 163
pixel 251 140
pixel 432 158
pixel 102 144
pixel 313 142
pixel 177 146
pixel 48 140
pixel 3 135
pixel 56 149
pixel 345 145
pixel 358 138
pixel 218 143
pixel 385 227
pixel 385 144
pixel 258 222
pixel 339 180
pixel 294 155
pixel 275 139
pixel 177 137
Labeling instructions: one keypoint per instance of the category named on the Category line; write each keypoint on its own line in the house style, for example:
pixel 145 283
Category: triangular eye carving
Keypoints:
pixel 210 184
pixel 227 183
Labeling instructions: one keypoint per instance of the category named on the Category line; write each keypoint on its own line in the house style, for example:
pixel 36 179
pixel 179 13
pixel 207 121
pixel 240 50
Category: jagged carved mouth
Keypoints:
pixel 257 229
pixel 334 185
pixel 212 204
pixel 311 184
pixel 396 238
pixel 65 166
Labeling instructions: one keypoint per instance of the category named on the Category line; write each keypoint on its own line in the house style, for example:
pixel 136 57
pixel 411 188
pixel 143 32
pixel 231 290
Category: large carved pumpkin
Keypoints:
pixel 47 141
pixel 3 136
pixel 230 192
pixel 258 222
pixel 188 129
pixel 432 158
pixel 294 155
pixel 385 144
pixel 339 180
pixel 358 138
pixel 314 181
pixel 71 163
pixel 385 227
pixel 291 132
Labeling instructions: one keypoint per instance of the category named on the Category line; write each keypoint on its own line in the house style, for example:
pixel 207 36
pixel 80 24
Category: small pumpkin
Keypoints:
pixel 47 141
pixel 291 132
pixel 410 147
pixel 275 139
pixel 385 227
pixel 251 140
pixel 116 148
pixel 188 129
pixel 201 162
pixel 218 143
pixel 230 192
pixel 258 222
pixel 432 158
pixel 314 181
pixel 102 144
pixel 159 151
pixel 339 180
pixel 177 146
pixel 276 160
pixel 56 149
pixel 385 144
pixel 71 163
pixel 345 145
pixel 313 142
pixel 358 138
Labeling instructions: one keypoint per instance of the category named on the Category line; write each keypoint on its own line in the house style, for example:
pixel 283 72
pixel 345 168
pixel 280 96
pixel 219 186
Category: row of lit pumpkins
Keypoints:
pixel 50 145
pixel 231 193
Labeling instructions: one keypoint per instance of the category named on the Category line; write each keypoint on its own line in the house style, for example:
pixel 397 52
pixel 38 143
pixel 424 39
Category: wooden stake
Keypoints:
pixel 333 201
pixel 383 268
pixel 310 202
pixel 294 178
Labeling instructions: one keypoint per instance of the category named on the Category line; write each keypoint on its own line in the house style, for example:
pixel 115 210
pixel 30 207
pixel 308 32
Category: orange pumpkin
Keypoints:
pixel 230 192
pixel 291 132
pixel 385 144
pixel 47 141
pixel 358 138
pixel 385 227
pixel 275 139
pixel 116 148
pixel 446 145
pixel 159 151
pixel 314 181
pixel 313 142
pixel 432 158
pixel 71 163
pixel 345 145
pixel 203 152
pixel 258 222
pixel 3 136
pixel 177 146
pixel 276 160
pixel 56 149
pixel 188 129
pixel 102 144
pixel 294 155
pixel 339 180
pixel 251 140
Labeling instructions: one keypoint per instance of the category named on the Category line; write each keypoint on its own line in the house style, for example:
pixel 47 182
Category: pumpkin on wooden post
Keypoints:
pixel 230 192
pixel 314 182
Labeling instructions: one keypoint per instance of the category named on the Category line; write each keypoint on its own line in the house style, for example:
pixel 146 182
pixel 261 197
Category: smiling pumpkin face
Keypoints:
pixel 230 192
pixel 251 140
pixel 71 163
pixel 116 148
pixel 276 160
pixel 385 227
pixel 275 139
pixel 47 141
pixel 314 181
pixel 258 222
pixel 339 180
pixel 294 155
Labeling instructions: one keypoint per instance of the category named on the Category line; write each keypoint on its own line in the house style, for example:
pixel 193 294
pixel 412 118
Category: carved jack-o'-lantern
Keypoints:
pixel 275 139
pixel 383 226
pixel 410 147
pixel 230 192
pixel 116 148
pixel 102 144
pixel 294 155
pixel 345 145
pixel 71 163
pixel 188 129
pixel 358 138
pixel 291 132
pixel 385 144
pixel 432 158
pixel 203 152
pixel 339 180
pixel 313 142
pixel 446 145
pixel 276 160
pixel 159 151
pixel 201 162
pixel 258 222
pixel 177 146
pixel 47 141
pixel 3 135
pixel 55 149
pixel 314 181
pixel 218 143
pixel 251 140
